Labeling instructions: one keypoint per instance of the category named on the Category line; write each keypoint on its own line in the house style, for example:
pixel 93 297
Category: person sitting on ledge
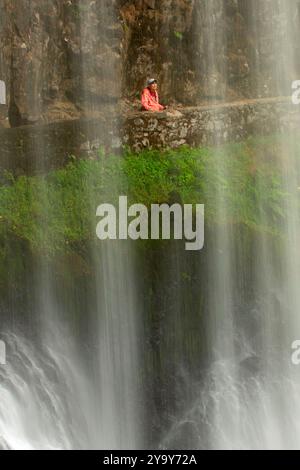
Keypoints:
pixel 150 101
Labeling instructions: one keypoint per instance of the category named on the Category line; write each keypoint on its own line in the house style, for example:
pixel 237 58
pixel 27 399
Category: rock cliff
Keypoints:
pixel 64 59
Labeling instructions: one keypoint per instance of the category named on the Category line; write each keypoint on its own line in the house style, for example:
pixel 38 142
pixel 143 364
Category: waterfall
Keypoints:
pixel 252 386
pixel 72 384
pixel 126 345
pixel 211 50
pixel 248 397
pixel 246 393
pixel 116 308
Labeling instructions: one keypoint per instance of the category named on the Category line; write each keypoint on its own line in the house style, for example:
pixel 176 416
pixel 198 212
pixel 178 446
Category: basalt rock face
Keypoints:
pixel 64 59
pixel 205 51
pixel 56 56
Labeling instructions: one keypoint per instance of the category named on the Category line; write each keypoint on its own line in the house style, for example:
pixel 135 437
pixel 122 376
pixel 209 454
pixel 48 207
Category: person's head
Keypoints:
pixel 152 84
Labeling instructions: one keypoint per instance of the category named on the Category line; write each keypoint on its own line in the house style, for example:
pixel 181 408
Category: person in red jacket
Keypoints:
pixel 150 101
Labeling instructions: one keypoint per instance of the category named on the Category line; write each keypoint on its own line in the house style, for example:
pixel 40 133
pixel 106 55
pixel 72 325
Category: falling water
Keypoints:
pixel 250 397
pixel 71 380
pixel 278 273
pixel 211 50
pixel 115 298
pixel 248 390
pixel 72 384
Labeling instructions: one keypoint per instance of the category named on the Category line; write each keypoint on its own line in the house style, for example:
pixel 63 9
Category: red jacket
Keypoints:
pixel 150 101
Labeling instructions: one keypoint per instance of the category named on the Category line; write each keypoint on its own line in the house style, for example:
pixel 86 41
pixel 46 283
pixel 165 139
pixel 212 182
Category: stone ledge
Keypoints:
pixel 210 125
pixel 34 149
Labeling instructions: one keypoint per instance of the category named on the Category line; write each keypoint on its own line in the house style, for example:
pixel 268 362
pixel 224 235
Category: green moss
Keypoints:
pixel 178 35
pixel 238 183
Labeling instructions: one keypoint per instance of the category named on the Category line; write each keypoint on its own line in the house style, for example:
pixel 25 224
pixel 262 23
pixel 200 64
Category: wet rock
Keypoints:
pixel 68 59
pixel 81 138
pixel 208 125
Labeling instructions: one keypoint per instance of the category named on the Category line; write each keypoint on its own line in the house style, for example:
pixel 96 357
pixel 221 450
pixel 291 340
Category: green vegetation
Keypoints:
pixel 238 183
pixel 178 35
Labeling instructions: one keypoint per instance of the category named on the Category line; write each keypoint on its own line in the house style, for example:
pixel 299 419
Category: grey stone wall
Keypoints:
pixel 211 125
pixel 34 149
